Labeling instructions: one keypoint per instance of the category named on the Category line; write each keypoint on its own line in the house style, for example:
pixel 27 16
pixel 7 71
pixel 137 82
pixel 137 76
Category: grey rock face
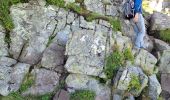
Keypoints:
pixel 95 6
pixel 164 65
pixel 3 45
pixel 165 80
pixel 53 56
pixel 161 45
pixel 145 60
pixel 127 77
pixel 154 87
pixel 86 51
pixel 11 77
pixel 160 21
pixel 32 30
pixel 45 82
pixel 62 95
pixel 81 82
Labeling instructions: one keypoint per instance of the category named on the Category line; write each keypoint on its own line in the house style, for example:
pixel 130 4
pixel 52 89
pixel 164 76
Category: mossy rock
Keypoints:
pixel 83 95
pixel 165 35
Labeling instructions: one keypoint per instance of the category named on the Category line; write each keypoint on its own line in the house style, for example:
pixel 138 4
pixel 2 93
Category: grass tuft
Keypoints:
pixel 83 95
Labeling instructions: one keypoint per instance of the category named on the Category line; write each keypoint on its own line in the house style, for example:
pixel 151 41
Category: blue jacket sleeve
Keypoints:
pixel 137 6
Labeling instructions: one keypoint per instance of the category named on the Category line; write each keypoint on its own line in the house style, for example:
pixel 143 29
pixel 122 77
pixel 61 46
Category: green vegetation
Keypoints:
pixel 134 83
pixel 5 17
pixel 28 82
pixel 113 62
pixel 83 95
pixel 165 35
pixel 59 3
pixel 116 60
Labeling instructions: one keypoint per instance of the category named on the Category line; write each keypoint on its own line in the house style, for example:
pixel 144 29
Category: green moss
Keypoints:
pixel 165 35
pixel 115 24
pixel 113 62
pixel 135 84
pixel 83 95
pixel 59 3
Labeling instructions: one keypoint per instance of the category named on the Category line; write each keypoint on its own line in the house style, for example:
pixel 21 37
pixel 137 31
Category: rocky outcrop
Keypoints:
pixel 159 21
pixel 84 82
pixel 145 60
pixel 161 45
pixel 45 82
pixel 3 45
pixel 131 79
pixel 11 75
pixel 164 65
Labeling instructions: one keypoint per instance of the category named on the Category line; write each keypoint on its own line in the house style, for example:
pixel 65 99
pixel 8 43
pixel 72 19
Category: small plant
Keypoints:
pixel 83 95
pixel 134 83
pixel 165 35
pixel 128 55
pixel 113 62
pixel 115 24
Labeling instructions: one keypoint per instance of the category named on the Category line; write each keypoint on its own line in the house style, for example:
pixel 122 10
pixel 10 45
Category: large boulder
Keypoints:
pixel 159 21
pixel 84 82
pixel 3 45
pixel 45 82
pixel 32 31
pixel 165 80
pixel 145 60
pixel 11 76
pixel 164 65
pixel 131 79
pixel 86 52
pixel 161 45
pixel 154 87
pixel 53 56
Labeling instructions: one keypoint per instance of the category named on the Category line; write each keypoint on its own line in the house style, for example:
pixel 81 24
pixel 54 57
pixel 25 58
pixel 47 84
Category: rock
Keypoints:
pixel 117 97
pixel 32 31
pixel 86 52
pixel 84 82
pixel 45 82
pixel 145 60
pixel 122 42
pixel 11 77
pixel 159 21
pixel 87 25
pixel 111 10
pixel 62 95
pixel 3 45
pixel 95 6
pixel 69 1
pixel 161 45
pixel 129 76
pixel 154 87
pixel 53 57
pixel 164 65
pixel 165 80
pixel 63 36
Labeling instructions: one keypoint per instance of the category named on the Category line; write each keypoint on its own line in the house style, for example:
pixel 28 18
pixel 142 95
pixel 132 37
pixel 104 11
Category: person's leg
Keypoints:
pixel 141 33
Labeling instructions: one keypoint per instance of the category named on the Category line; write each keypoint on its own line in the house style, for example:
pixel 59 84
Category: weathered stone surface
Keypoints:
pixel 81 82
pixel 145 60
pixel 45 82
pixel 11 77
pixel 111 10
pixel 3 45
pixel 160 21
pixel 154 87
pixel 32 30
pixel 164 63
pixel 62 95
pixel 95 6
pixel 86 52
pixel 117 97
pixel 122 42
pixel 53 57
pixel 161 45
pixel 165 80
pixel 126 78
